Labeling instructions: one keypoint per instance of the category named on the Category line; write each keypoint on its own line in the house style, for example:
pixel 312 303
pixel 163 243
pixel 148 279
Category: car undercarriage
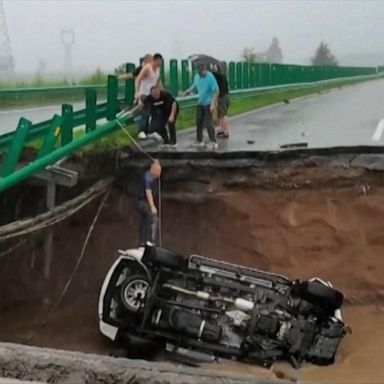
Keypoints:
pixel 200 309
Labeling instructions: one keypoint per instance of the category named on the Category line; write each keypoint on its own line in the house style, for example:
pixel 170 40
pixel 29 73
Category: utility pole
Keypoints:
pixel 7 68
pixel 67 39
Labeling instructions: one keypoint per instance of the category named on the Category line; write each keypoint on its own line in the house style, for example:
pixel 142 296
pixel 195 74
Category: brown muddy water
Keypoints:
pixel 302 223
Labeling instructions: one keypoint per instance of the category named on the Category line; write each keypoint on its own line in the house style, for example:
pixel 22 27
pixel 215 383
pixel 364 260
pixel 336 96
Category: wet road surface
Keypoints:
pixel 10 117
pixel 348 116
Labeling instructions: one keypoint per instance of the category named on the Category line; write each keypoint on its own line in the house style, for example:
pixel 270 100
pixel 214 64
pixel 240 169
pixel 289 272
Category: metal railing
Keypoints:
pixel 56 134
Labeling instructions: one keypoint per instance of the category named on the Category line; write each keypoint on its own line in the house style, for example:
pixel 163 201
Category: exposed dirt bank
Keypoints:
pixel 301 222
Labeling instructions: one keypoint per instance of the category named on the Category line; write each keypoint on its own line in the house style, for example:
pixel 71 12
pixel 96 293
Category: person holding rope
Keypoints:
pixel 132 75
pixel 148 195
pixel 147 78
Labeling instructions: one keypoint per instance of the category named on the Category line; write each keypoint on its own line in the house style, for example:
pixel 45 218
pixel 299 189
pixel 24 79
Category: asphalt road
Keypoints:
pixel 10 117
pixel 350 116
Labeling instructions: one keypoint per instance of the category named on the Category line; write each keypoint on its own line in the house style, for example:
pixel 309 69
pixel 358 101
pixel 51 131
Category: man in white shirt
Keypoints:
pixel 148 77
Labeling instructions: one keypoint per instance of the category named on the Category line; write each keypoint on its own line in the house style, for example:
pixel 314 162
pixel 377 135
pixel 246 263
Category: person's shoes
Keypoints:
pixel 165 145
pixel 173 146
pixel 198 144
pixel 142 135
pixel 155 135
pixel 213 146
pixel 222 135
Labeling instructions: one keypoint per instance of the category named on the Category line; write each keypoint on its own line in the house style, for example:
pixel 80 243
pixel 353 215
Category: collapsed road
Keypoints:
pixel 318 215
pixel 301 213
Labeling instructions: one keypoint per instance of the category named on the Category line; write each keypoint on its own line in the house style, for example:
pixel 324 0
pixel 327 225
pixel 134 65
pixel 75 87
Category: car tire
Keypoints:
pixel 162 257
pixel 315 292
pixel 133 292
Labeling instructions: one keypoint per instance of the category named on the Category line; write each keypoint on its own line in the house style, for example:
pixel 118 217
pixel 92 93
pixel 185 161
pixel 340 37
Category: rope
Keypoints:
pixel 75 269
pixel 140 148
pixel 136 144
pixel 13 248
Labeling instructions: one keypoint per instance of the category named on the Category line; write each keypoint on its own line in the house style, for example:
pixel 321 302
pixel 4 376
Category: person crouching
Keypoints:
pixel 164 110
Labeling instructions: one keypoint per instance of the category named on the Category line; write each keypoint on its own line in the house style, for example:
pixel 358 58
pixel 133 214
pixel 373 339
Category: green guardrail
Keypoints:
pixel 245 79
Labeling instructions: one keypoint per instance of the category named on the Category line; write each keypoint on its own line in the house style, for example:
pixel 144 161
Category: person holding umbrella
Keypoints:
pixel 222 105
pixel 208 91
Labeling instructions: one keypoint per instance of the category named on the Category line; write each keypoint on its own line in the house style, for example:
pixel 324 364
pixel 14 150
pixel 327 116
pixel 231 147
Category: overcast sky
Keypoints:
pixel 111 32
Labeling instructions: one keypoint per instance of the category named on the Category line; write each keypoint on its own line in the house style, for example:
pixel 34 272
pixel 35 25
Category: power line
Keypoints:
pixel 7 67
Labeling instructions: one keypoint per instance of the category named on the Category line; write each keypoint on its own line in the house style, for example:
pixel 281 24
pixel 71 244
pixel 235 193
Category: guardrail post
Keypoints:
pixel 185 76
pixel 239 75
pixel 252 75
pixel 53 133
pixel 111 97
pixel 67 126
pixel 231 75
pixel 16 147
pixel 129 85
pixel 274 74
pixel 264 74
pixel 174 77
pixel 245 75
pixel 90 109
pixel 48 241
pixel 162 73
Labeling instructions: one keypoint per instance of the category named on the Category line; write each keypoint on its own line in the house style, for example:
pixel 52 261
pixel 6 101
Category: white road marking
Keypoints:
pixel 379 131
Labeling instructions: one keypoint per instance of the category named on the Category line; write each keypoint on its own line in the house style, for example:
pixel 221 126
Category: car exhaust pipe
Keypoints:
pixel 239 303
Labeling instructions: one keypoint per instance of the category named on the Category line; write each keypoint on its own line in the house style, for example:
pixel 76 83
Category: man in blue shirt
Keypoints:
pixel 208 91
pixel 148 194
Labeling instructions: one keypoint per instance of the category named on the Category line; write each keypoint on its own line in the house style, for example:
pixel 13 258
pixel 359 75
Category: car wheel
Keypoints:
pixel 164 258
pixel 133 293
pixel 317 293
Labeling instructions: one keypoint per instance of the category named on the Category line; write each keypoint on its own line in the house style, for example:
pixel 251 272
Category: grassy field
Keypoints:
pixel 186 118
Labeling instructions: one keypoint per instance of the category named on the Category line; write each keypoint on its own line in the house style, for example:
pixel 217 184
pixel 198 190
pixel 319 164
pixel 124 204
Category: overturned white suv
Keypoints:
pixel 201 308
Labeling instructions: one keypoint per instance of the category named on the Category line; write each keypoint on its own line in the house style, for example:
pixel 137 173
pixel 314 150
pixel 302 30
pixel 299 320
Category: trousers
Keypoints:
pixel 159 122
pixel 148 225
pixel 204 120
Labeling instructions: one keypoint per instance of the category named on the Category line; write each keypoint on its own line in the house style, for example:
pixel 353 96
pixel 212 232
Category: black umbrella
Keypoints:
pixel 212 64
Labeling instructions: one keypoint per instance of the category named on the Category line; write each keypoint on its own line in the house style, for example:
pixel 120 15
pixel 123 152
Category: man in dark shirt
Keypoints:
pixel 164 111
pixel 148 195
pixel 222 105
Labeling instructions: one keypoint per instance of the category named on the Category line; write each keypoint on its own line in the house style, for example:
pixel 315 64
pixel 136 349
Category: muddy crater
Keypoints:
pixel 300 220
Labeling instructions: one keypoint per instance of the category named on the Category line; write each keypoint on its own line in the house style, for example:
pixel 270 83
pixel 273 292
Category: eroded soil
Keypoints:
pixel 300 225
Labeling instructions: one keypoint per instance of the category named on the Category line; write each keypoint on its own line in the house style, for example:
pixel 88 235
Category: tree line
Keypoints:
pixel 274 54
